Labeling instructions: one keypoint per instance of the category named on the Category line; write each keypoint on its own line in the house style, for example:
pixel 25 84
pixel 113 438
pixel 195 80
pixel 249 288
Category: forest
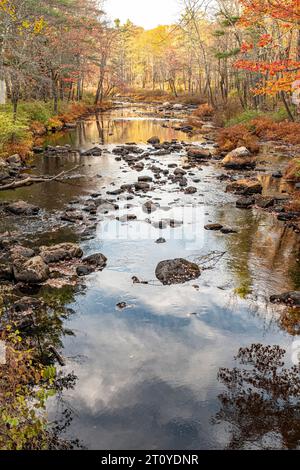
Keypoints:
pixel 150 221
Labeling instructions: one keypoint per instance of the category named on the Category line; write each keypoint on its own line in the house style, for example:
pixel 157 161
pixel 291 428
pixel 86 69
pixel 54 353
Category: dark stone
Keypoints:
pixel 6 272
pixel 161 241
pixel 265 202
pixel 177 271
pixel 190 190
pixel 142 186
pixel 153 141
pixel 94 152
pixel 213 227
pixel 83 270
pixel 127 218
pixel 32 271
pixel 288 298
pixel 62 252
pixel 228 231
pixel 288 216
pixel 277 174
pixel 121 305
pixel 245 203
pixel 145 179
pixel 149 207
pixel 22 208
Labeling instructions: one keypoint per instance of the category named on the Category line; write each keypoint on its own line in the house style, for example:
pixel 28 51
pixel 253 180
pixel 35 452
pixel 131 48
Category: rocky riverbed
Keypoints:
pixel 170 256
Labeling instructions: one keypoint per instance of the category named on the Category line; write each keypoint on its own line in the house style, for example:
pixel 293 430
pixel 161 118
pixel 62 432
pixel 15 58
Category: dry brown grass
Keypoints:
pixel 237 136
pixel 204 111
pixel 292 172
pixel 284 131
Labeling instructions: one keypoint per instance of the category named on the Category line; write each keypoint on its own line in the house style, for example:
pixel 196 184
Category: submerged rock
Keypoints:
pixel 62 252
pixel 32 271
pixel 288 298
pixel 22 208
pixel 177 271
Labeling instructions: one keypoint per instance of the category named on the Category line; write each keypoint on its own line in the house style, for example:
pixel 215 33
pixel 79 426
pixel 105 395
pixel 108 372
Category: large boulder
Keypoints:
pixel 22 208
pixel 62 252
pixel 288 298
pixel 177 271
pixel 31 271
pixel 246 187
pixel 14 160
pixel 239 159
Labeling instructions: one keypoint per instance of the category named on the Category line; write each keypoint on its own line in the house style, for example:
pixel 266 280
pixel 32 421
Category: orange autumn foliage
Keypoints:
pixel 280 70
pixel 292 172
pixel 204 111
pixel 284 131
pixel 237 136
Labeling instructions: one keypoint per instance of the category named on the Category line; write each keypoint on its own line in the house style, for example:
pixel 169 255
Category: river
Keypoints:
pixel 147 374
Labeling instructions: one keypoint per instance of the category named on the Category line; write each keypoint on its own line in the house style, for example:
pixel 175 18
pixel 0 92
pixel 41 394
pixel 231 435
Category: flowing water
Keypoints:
pixel 147 375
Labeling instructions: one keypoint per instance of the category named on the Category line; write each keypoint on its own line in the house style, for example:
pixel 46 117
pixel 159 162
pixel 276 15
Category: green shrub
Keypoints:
pixel 244 117
pixel 11 130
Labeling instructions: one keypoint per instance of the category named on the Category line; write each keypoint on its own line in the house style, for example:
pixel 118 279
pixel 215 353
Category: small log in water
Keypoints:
pixel 36 179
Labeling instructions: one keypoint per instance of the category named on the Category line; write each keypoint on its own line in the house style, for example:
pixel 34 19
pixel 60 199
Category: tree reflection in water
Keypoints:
pixel 262 400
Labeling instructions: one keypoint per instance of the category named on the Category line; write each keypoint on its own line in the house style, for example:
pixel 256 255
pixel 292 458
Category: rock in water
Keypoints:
pixel 288 298
pixel 32 271
pixel 239 159
pixel 177 271
pixel 245 203
pixel 62 252
pixel 246 187
pixel 154 141
pixel 96 262
pixel 213 227
pixel 198 152
pixel 22 208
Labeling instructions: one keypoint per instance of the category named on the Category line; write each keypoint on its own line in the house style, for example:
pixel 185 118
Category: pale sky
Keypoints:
pixel 146 13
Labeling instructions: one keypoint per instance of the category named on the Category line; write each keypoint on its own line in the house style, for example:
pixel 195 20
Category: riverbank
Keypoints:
pixel 36 119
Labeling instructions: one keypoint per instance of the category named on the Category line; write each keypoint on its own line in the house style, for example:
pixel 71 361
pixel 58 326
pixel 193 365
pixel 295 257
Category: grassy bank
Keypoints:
pixel 35 119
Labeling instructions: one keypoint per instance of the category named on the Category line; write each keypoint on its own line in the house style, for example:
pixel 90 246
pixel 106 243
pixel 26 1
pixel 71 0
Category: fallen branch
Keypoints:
pixel 33 180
